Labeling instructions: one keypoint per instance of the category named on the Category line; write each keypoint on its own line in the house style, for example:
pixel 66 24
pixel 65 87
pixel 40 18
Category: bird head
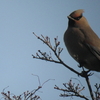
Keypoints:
pixel 77 19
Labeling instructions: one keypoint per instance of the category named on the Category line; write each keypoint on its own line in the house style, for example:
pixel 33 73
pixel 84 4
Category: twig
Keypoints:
pixel 71 90
pixel 89 86
pixel 97 92
pixel 59 61
pixel 57 52
pixel 27 95
pixel 54 51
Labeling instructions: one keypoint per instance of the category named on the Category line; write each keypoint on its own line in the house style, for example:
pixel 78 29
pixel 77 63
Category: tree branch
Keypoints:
pixel 71 90
pixel 57 51
pixel 89 86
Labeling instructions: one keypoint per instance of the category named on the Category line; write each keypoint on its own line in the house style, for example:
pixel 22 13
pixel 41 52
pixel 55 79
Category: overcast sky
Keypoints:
pixel 18 19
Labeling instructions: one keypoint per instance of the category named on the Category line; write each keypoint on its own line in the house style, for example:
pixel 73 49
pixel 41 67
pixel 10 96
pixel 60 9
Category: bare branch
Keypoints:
pixel 71 90
pixel 28 95
pixel 57 51
pixel 97 92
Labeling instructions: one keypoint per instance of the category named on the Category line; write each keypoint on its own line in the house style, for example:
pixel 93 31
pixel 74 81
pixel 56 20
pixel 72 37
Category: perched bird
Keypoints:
pixel 81 41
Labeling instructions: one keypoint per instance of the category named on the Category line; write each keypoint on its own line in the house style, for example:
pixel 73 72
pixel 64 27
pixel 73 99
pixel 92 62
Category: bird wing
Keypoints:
pixel 90 45
pixel 94 50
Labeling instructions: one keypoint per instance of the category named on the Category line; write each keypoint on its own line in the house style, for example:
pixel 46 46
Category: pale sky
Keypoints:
pixel 18 19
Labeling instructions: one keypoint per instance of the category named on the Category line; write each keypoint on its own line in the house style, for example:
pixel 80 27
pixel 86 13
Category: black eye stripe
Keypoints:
pixel 77 18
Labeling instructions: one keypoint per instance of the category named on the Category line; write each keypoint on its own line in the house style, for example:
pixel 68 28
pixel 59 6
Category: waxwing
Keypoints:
pixel 81 41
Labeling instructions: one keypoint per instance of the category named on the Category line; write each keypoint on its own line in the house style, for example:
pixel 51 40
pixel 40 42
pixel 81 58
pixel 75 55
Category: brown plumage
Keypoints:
pixel 81 41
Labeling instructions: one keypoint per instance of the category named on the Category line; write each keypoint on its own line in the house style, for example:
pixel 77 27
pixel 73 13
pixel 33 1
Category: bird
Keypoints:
pixel 82 42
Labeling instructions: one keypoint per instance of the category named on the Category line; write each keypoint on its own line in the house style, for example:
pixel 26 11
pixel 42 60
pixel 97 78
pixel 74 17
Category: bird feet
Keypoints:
pixel 86 73
pixel 81 64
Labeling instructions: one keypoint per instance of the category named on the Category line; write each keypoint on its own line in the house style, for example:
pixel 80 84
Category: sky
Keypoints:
pixel 18 20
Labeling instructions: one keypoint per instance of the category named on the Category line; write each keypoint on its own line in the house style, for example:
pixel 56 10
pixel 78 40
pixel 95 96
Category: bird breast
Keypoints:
pixel 74 42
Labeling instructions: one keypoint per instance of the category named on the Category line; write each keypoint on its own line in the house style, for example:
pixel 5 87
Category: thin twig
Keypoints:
pixel 82 74
pixel 60 61
pixel 71 90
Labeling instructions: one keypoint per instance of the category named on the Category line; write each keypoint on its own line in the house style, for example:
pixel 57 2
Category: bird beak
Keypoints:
pixel 69 17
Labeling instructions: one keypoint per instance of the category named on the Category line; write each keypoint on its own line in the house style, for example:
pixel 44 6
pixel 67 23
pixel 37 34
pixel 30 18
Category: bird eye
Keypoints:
pixel 77 18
